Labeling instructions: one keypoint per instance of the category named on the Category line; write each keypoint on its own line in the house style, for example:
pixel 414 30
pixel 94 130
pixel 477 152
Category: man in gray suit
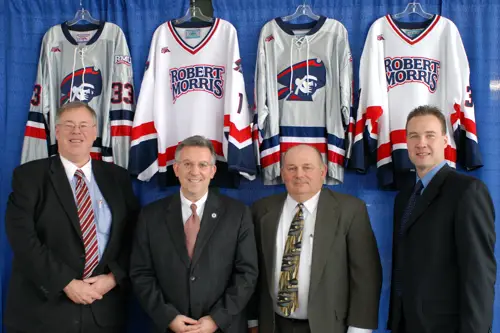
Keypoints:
pixel 319 263
pixel 194 260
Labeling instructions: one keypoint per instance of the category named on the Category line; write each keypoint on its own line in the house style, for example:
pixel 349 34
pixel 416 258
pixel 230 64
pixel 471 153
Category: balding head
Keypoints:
pixel 303 172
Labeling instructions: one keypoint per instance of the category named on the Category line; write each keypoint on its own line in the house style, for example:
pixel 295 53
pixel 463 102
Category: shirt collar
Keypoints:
pixel 429 175
pixel 70 168
pixel 310 204
pixel 199 203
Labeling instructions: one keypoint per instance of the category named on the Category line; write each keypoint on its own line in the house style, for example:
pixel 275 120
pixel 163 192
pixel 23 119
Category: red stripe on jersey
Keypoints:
pixel 270 159
pixel 96 156
pixel 373 114
pixel 240 135
pixel 450 153
pixel 143 130
pixel 406 38
pixel 459 115
pixel 335 157
pixel 199 47
pixel 121 130
pixel 34 132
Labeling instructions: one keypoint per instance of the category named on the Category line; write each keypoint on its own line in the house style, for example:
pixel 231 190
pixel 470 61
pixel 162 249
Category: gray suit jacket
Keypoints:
pixel 346 274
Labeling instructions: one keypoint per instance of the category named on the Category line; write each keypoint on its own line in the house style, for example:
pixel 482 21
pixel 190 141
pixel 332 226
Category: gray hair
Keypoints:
pixel 195 141
pixel 75 105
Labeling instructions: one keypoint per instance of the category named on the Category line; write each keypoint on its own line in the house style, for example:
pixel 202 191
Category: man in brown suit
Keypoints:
pixel 319 263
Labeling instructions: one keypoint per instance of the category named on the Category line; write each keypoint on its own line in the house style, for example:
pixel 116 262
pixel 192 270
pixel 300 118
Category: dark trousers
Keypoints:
pixel 287 325
pixel 86 324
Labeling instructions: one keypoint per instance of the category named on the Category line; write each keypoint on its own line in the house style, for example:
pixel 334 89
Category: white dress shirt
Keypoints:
pixel 304 277
pixel 186 207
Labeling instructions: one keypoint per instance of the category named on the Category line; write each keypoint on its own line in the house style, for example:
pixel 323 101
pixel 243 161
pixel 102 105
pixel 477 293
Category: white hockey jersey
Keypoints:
pixel 193 85
pixel 303 94
pixel 403 66
pixel 92 64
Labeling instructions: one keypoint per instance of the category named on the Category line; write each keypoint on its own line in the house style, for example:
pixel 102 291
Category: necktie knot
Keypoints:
pixel 193 209
pixel 79 173
pixel 419 186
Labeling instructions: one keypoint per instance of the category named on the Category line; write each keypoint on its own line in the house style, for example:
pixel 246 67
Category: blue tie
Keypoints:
pixel 411 205
pixel 404 220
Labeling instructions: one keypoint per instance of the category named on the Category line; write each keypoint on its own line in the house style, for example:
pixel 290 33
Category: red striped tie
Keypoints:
pixel 87 224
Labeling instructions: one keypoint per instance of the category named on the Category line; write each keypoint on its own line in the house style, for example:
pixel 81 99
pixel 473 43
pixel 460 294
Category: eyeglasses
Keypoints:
pixel 188 165
pixel 70 127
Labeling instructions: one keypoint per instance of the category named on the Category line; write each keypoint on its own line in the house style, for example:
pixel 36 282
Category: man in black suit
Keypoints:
pixel 444 266
pixel 69 222
pixel 194 259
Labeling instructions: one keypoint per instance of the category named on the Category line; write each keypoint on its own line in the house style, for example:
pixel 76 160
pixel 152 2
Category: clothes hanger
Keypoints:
pixel 302 10
pixel 413 8
pixel 82 15
pixel 193 12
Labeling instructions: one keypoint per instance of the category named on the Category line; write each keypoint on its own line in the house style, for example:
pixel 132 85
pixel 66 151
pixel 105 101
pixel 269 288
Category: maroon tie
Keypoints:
pixel 191 229
pixel 87 224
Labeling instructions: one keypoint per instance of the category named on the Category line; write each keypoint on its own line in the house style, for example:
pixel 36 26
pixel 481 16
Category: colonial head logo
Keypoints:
pixel 402 70
pixel 302 80
pixel 83 85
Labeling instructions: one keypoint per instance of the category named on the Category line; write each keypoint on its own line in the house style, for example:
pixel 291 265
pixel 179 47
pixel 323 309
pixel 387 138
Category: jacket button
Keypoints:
pixel 192 278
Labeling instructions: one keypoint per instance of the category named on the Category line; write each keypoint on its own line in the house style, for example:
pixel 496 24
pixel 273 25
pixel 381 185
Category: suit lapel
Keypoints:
pixel 327 221
pixel 269 227
pixel 211 217
pixel 173 219
pixel 64 193
pixel 430 192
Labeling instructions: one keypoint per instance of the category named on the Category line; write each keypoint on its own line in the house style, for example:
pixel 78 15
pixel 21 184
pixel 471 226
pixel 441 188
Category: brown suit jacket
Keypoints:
pixel 346 274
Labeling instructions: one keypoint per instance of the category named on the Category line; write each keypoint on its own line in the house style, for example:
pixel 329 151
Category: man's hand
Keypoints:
pixel 102 283
pixel 207 324
pixel 182 324
pixel 81 293
pixel 254 329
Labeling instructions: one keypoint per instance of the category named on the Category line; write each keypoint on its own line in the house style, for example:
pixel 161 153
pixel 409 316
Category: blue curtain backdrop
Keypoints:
pixel 23 23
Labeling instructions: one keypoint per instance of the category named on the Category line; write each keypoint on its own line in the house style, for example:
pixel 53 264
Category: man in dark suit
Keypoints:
pixel 319 263
pixel 443 244
pixel 69 222
pixel 194 261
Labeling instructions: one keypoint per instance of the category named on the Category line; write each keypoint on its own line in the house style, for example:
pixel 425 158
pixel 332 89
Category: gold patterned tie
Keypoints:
pixel 288 298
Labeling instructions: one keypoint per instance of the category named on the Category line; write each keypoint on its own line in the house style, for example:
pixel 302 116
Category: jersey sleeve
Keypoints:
pixel 373 102
pixel 339 139
pixel 36 135
pixel 268 144
pixel 122 105
pixel 239 150
pixel 462 115
pixel 144 138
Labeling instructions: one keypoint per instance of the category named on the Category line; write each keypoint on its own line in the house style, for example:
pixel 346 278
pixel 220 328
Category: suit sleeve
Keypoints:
pixel 475 243
pixel 120 267
pixel 38 263
pixel 365 272
pixel 143 277
pixel 245 274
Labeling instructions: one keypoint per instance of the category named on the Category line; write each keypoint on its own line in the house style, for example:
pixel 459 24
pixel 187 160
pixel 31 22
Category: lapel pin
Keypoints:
pixel 214 215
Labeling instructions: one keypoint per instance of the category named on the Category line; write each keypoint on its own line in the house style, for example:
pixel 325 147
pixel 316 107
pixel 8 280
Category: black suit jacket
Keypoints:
pixel 218 281
pixel 44 232
pixel 447 257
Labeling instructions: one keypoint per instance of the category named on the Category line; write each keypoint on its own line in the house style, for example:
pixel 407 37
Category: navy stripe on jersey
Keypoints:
pixel 121 115
pixel 142 156
pixel 36 117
